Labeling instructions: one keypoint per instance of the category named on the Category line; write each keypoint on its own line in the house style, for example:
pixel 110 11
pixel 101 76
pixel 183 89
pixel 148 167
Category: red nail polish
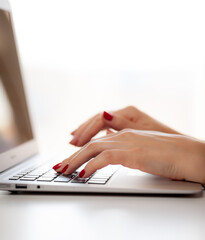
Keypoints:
pixel 107 116
pixel 82 173
pixel 57 166
pixel 65 168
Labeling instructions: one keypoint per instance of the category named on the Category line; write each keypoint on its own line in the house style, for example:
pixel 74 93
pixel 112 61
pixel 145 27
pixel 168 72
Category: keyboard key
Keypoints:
pixel 72 175
pixel 97 181
pixel 37 173
pixel 17 176
pixel 80 180
pixel 62 179
pixel 27 179
pixel 50 174
pixel 100 178
pixel 32 175
pixel 26 176
pixel 43 179
pixel 51 171
pixel 14 178
pixel 102 175
pixel 46 176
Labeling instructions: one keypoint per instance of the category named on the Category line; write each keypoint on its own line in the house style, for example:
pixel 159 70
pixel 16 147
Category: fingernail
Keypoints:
pixel 57 166
pixel 107 116
pixel 82 173
pixel 65 168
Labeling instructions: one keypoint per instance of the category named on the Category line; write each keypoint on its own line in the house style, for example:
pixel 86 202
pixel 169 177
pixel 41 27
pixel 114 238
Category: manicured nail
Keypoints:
pixel 57 166
pixel 82 173
pixel 65 168
pixel 107 116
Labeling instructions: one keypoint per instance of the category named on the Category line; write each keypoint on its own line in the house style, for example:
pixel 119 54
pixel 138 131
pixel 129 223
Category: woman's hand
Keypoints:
pixel 168 155
pixel 129 117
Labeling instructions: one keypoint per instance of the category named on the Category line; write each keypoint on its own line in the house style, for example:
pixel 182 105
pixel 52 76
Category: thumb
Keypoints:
pixel 116 121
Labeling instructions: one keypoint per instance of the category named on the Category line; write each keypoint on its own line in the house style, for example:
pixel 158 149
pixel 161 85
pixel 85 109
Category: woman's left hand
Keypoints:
pixel 172 156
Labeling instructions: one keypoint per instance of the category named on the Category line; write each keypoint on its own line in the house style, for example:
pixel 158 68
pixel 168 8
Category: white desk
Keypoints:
pixel 31 216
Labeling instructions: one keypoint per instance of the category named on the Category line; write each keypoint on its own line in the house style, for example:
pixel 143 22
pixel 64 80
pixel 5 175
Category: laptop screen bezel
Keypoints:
pixel 22 152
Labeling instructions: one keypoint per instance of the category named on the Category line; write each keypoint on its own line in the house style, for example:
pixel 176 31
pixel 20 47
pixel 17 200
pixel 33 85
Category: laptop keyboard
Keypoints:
pixel 45 174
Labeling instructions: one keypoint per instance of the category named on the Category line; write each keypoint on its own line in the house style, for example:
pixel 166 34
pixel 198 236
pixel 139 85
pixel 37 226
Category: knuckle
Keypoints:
pixel 131 108
pixel 97 115
pixel 97 120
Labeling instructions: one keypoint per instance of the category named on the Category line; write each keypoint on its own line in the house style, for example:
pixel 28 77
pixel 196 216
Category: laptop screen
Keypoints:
pixel 15 128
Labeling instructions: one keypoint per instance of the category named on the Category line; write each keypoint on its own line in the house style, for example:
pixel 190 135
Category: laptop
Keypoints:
pixel 22 168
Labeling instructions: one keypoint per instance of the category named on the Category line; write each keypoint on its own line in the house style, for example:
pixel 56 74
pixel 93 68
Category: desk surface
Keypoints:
pixel 64 216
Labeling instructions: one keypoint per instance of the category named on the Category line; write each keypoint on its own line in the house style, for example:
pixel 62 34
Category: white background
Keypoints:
pixel 83 57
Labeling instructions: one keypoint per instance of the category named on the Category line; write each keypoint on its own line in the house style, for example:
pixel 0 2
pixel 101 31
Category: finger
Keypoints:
pixel 73 132
pixel 90 131
pixel 104 159
pixel 82 128
pixel 116 121
pixel 65 163
pixel 136 158
pixel 60 166
pixel 128 112
pixel 88 152
pixel 85 128
pixel 78 131
pixel 119 138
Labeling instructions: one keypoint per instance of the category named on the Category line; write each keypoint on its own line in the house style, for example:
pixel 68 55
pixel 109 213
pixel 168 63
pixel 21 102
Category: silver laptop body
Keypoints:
pixel 23 169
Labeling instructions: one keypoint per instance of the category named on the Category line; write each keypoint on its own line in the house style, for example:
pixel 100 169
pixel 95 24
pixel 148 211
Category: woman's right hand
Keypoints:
pixel 129 117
